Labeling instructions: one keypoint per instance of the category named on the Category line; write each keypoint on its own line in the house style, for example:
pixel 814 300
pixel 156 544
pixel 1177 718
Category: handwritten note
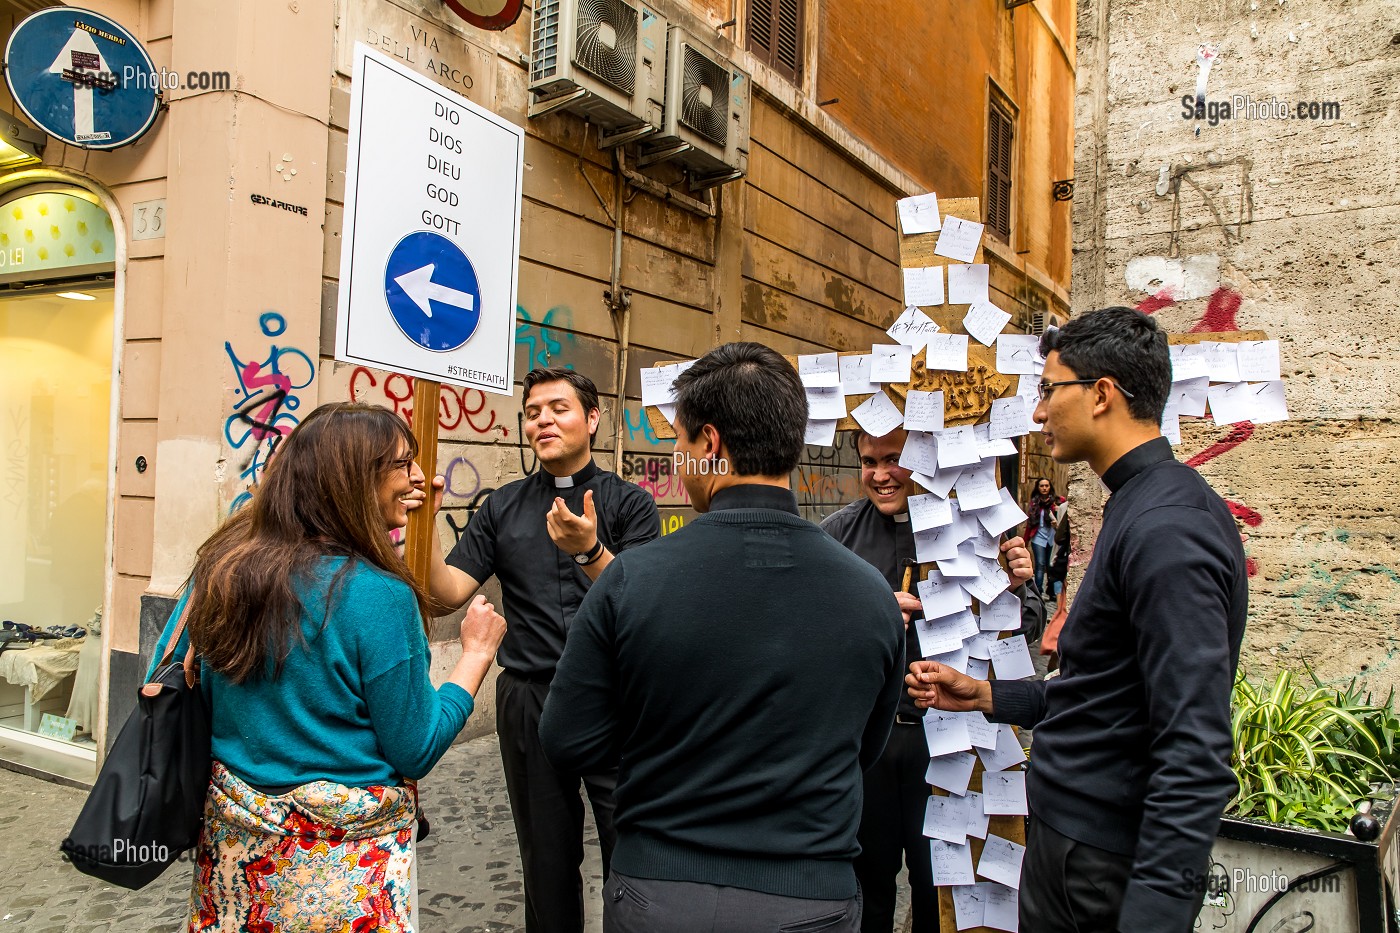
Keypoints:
pixel 1009 418
pixel 877 415
pixel 982 733
pixel 1028 387
pixel 1188 362
pixel 819 370
pixel 985 321
pixel 946 818
pixel 923 287
pixel 940 596
pixel 1011 659
pixel 1002 614
pixel 951 772
pixel 989 583
pixel 1002 908
pixel 923 411
pixel 826 404
pixel 976 819
pixel 946 352
pixel 945 735
pixel 890 363
pixel 977 487
pixel 979 646
pixel 1006 754
pixel 1258 360
pixel 959 239
pixel 920 453
pixel 929 511
pixel 952 863
pixel 935 544
pixel 977 668
pixel 1019 354
pixel 918 214
pixel 658 384
pixel 1222 361
pixel 855 375
pixel 821 433
pixel 989 447
pixel 957 447
pixel 1001 861
pixel 912 329
pixel 969 905
pixel 938 636
pixel 967 284
pixel 1003 516
pixel 962 566
pixel 1259 402
pixel 1004 792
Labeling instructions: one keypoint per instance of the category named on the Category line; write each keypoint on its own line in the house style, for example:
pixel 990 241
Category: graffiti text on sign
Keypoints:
pixel 654 474
pixel 264 410
pixel 542 344
pixel 455 406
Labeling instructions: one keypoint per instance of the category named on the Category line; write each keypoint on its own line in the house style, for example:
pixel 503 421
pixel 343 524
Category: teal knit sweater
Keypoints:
pixel 353 704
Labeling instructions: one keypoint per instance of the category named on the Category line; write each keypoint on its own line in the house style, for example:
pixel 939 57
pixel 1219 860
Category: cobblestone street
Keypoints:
pixel 468 870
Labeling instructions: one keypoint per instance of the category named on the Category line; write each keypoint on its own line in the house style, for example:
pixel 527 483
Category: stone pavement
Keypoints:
pixel 468 870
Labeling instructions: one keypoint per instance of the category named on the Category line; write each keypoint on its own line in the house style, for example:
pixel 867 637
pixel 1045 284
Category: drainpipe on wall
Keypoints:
pixel 619 302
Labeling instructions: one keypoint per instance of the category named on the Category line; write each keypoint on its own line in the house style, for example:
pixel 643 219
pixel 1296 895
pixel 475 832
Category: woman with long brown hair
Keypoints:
pixel 314 660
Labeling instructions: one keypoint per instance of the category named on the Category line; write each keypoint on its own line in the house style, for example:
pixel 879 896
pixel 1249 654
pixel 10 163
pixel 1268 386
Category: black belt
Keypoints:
pixel 905 719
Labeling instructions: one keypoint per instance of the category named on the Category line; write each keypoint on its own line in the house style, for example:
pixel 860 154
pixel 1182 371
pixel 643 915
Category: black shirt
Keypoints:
pixel 541 586
pixel 886 542
pixel 1132 740
pixel 740 673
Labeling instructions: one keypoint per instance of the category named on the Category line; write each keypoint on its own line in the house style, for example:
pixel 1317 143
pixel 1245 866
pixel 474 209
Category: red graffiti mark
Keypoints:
pixel 1237 436
pixel 1245 514
pixel 1163 299
pixel 261 425
pixel 453 404
pixel 1251 566
pixel 1220 313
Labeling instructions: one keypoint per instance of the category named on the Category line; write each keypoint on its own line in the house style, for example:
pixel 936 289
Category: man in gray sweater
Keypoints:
pixel 741 673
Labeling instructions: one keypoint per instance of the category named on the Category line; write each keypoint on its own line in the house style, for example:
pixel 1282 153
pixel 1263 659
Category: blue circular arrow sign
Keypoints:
pixel 82 78
pixel 432 291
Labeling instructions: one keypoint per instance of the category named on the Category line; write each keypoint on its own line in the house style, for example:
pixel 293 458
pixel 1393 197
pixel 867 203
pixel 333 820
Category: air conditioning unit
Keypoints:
pixel 706 125
pixel 604 60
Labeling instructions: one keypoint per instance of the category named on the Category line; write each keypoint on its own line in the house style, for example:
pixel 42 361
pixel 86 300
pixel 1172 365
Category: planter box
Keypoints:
pixel 1266 878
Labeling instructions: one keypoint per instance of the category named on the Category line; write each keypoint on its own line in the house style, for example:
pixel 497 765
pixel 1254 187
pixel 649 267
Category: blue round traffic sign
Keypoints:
pixel 432 291
pixel 82 78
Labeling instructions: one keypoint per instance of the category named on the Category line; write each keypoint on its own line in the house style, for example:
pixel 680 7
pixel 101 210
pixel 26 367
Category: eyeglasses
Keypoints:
pixel 1046 388
pixel 403 463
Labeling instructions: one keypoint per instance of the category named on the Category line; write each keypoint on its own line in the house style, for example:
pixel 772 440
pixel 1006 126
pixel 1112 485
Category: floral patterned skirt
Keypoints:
pixel 324 858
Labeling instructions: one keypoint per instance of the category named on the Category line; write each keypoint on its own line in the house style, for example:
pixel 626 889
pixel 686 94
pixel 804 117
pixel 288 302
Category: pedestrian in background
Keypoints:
pixel 1040 528
pixel 312 638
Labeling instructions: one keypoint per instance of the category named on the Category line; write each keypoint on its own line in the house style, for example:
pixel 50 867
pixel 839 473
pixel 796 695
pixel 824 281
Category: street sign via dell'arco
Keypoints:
pixel 431 240
pixel 82 78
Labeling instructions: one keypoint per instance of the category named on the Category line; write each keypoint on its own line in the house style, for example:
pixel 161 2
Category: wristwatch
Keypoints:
pixel 589 556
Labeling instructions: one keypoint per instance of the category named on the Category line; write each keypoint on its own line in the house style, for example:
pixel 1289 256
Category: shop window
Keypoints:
pixel 774 31
pixel 56 383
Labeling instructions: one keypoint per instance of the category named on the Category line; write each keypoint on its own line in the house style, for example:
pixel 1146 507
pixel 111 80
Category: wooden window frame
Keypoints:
pixel 764 43
pixel 999 104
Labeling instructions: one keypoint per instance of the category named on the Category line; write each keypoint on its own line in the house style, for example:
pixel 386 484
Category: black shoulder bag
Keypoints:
pixel 147 805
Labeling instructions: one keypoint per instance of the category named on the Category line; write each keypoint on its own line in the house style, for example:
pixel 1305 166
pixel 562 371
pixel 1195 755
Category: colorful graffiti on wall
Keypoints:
pixel 266 401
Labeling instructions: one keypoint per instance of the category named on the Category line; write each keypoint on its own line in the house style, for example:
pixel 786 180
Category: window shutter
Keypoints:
pixel 775 35
pixel 999 150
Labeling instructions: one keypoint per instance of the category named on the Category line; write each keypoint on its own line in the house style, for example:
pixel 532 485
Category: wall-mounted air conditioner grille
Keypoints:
pixel 705 97
pixel 544 40
pixel 607 42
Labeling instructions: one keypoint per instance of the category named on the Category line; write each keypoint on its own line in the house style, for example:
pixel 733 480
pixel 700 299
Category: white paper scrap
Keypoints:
pixel 855 375
pixel 1003 516
pixel 891 363
pixel 957 447
pixel 1002 908
pixel 923 287
pixel 946 352
pixel 1188 362
pixel 952 863
pixel 1019 354
pixel 989 583
pixel 1002 614
pixel 936 544
pixel 1258 360
pixel 923 411
pixel 938 636
pixel 976 819
pixel 1259 402
pixel 1009 418
pixel 951 772
pixel 945 734
pixel 913 328
pixel 658 384
pixel 957 660
pixel 929 511
pixel 967 284
pixel 982 733
pixel 1007 753
pixel 978 668
pixel 959 239
pixel 819 370
pixel 918 214
pixel 940 596
pixel 1028 387
pixel 963 567
pixel 977 487
pixel 920 453
pixel 1001 861
pixel 969 905
pixel 946 818
pixel 1188 396
pixel 821 433
pixel 1011 659
pixel 668 412
pixel 1222 361
pixel 985 321
pixel 877 415
pixel 980 645
pixel 824 404
pixel 1004 793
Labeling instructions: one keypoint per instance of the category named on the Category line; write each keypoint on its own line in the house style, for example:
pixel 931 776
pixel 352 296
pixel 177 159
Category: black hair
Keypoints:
pixel 1124 345
pixel 754 399
pixel 583 387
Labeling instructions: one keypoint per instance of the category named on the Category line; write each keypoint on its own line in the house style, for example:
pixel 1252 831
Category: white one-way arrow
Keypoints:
pixel 419 286
pixel 80 41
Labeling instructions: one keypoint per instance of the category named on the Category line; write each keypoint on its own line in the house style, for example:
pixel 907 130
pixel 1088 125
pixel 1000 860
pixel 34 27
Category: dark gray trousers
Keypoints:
pixel 1068 886
pixel 645 905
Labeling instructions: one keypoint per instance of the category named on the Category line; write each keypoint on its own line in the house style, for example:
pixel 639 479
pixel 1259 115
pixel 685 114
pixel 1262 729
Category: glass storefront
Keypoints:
pixel 55 409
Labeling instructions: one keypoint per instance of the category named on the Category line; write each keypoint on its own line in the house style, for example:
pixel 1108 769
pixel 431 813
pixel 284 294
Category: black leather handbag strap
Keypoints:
pixel 191 663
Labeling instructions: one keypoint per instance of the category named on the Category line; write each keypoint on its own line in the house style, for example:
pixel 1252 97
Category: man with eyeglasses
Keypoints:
pixel 1130 765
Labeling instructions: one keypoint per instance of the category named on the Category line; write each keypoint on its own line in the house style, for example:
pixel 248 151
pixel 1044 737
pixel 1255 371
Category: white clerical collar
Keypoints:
pixel 564 482
pixel 901 517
